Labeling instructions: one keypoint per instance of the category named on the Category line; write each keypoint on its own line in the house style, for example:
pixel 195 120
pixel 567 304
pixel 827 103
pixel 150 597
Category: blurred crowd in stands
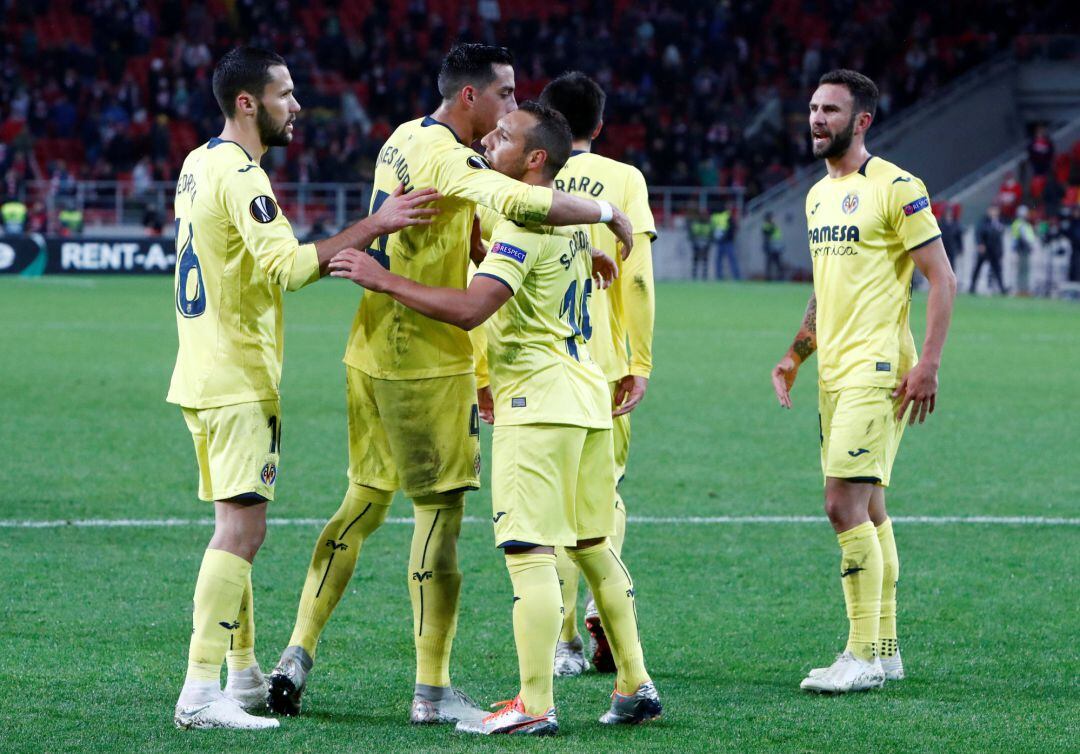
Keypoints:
pixel 709 94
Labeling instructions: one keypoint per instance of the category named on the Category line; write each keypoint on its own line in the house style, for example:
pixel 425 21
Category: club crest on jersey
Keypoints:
pixel 478 162
pixel 263 209
pixel 921 203
pixel 850 203
pixel 269 474
pixel 509 250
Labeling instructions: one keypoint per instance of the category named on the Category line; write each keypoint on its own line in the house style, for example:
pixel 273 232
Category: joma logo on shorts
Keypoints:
pixel 418 576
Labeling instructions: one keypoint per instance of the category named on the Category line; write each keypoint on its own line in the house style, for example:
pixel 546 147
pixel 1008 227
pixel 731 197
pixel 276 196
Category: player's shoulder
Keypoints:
pixel 223 160
pixel 888 175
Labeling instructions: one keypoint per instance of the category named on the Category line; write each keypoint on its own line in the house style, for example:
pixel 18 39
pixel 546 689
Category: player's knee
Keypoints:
pixel 440 500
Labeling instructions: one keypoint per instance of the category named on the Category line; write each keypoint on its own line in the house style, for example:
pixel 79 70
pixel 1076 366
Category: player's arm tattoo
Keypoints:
pixel 806 339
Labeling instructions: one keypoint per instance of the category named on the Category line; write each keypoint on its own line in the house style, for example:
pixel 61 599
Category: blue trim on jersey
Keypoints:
pixel 218 140
pixel 429 121
pixel 918 246
pixel 862 168
pixel 517 543
pixel 494 277
pixel 575 152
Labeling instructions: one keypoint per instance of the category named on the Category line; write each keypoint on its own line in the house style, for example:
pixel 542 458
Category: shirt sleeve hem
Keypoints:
pixel 495 277
pixel 924 243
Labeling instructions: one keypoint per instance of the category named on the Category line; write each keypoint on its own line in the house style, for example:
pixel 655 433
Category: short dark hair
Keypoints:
pixel 551 133
pixel 863 90
pixel 470 64
pixel 242 69
pixel 579 99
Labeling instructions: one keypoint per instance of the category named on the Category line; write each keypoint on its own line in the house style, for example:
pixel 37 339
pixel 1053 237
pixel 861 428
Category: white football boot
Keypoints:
pixel 893 667
pixel 511 719
pixel 848 673
pixel 249 688
pixel 219 711
pixel 570 658
pixel 432 704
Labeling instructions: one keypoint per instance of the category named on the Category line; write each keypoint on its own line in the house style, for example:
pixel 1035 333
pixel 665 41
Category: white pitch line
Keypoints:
pixel 148 523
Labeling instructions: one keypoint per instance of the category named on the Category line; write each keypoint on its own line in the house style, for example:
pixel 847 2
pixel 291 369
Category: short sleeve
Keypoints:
pixel 464 173
pixel 252 207
pixel 510 258
pixel 908 213
pixel 637 205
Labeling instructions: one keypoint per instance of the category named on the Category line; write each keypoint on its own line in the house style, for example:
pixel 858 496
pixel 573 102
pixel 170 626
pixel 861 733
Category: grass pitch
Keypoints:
pixel 95 621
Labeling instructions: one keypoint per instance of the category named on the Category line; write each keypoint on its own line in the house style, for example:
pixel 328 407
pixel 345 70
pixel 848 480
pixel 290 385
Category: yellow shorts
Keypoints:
pixel 552 484
pixel 620 434
pixel 859 433
pixel 237 448
pixel 422 436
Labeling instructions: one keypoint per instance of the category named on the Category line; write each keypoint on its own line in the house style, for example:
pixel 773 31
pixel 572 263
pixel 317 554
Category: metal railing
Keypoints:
pixel 324 206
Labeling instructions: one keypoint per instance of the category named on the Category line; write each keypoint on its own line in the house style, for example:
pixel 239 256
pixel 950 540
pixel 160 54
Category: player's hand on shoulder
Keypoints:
pixel 918 389
pixel 783 377
pixel 624 231
pixel 629 392
pixel 359 267
pixel 604 269
pixel 400 210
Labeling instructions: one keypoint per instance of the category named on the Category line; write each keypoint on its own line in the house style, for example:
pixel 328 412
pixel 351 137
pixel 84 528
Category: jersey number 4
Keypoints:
pixel 190 293
pixel 576 313
pixel 379 250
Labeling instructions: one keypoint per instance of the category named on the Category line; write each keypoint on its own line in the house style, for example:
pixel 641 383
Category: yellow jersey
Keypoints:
pixel 626 310
pixel 541 370
pixel 861 228
pixel 236 253
pixel 388 340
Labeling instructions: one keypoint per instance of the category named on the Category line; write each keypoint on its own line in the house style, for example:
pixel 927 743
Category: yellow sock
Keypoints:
pixel 537 617
pixel 568 582
pixel 890 575
pixel 619 537
pixel 241 654
pixel 334 559
pixel 613 592
pixel 860 575
pixel 218 593
pixel 435 584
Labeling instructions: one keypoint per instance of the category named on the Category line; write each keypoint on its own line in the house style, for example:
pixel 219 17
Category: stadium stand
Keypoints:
pixel 700 95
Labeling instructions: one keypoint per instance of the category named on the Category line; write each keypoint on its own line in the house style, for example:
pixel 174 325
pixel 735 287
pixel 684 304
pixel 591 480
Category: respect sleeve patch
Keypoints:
pixel 919 204
pixel 508 250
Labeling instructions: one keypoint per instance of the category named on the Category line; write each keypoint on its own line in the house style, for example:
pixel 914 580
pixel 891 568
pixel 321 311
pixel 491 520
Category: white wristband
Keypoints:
pixel 606 212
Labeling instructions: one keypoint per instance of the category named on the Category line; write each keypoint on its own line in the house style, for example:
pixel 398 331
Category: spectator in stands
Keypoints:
pixel 1053 194
pixel 1024 243
pixel 1009 195
pixel 772 244
pixel 39 218
pixel 1040 151
pixel 700 231
pixel 1059 250
pixel 14 212
pixel 723 228
pixel 989 237
pixel 1071 227
pixel 153 219
pixel 952 233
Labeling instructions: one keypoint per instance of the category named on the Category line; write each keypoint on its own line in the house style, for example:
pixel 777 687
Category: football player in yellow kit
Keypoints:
pixel 622 316
pixel 236 256
pixel 870 225
pixel 411 393
pixel 553 470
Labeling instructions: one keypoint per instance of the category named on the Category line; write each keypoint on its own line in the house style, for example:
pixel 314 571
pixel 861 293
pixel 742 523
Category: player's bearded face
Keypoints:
pixel 274 132
pixel 827 144
pixel 504 147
